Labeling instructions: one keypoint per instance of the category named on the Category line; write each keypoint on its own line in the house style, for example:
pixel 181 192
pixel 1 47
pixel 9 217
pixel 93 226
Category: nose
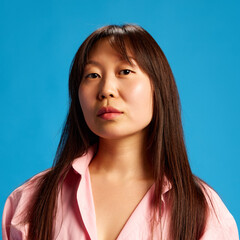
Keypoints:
pixel 108 88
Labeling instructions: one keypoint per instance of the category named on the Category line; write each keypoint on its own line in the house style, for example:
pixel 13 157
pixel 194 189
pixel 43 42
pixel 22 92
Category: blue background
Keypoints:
pixel 200 39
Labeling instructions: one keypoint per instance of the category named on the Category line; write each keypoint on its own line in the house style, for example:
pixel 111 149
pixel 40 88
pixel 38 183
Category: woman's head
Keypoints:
pixel 148 56
pixel 115 94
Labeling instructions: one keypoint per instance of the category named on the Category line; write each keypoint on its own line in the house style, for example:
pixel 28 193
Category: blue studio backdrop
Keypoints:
pixel 200 39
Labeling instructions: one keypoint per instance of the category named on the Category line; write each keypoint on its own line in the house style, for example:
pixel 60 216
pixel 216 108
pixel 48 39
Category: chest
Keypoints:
pixel 114 203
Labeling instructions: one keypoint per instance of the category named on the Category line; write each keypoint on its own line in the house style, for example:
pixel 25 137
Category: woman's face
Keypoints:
pixel 115 96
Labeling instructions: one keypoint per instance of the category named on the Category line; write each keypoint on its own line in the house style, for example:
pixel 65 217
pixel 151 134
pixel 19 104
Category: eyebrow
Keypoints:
pixel 91 62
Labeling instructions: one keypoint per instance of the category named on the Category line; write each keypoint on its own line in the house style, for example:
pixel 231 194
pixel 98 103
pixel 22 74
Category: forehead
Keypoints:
pixel 110 47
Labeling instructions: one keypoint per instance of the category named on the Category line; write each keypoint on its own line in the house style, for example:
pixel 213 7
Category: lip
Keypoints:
pixel 108 113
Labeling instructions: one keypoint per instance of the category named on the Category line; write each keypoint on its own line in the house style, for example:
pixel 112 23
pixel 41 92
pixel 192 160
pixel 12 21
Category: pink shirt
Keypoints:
pixel 76 213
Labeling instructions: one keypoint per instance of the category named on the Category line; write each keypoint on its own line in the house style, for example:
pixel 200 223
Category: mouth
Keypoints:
pixel 108 113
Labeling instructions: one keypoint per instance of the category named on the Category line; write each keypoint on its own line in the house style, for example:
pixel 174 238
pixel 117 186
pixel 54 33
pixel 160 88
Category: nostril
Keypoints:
pixel 103 96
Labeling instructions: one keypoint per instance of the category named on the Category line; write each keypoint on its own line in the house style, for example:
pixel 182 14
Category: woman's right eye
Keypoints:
pixel 93 75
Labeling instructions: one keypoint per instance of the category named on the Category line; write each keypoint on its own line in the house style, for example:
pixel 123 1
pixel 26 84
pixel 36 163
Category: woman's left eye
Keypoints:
pixel 125 72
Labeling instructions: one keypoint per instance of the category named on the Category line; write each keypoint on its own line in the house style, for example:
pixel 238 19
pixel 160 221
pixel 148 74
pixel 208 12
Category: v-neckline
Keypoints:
pixel 147 198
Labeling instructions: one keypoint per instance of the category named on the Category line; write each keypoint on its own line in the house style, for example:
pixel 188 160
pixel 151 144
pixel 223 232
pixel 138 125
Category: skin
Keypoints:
pixel 120 169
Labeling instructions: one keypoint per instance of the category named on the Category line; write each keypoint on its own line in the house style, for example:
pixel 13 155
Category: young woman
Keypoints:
pixel 121 170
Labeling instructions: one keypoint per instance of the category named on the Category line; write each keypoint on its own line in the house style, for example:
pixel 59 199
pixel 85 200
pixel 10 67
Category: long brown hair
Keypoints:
pixel 165 142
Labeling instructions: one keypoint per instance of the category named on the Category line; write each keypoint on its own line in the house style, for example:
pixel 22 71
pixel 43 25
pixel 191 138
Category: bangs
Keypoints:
pixel 121 45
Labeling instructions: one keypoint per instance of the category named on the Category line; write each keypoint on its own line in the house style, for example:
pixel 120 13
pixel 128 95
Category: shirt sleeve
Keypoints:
pixel 220 223
pixel 6 219
pixel 12 229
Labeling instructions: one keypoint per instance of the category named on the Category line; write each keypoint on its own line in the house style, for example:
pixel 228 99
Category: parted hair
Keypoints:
pixel 165 140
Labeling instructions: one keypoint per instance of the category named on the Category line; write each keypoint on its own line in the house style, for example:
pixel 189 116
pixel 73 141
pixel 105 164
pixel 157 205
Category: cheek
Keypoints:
pixel 140 98
pixel 85 100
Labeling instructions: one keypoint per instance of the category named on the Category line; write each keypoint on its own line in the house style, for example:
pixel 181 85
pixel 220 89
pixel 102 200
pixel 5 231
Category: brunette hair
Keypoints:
pixel 165 141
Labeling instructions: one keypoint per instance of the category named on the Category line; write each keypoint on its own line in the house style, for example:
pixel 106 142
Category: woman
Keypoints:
pixel 121 170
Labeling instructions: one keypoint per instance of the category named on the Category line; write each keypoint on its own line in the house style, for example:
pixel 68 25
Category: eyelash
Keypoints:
pixel 91 75
pixel 122 72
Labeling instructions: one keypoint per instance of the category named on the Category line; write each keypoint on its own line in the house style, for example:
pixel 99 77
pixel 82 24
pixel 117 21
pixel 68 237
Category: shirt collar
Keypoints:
pixel 81 163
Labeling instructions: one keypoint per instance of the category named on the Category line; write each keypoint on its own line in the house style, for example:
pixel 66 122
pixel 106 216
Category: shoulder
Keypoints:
pixel 15 205
pixel 220 223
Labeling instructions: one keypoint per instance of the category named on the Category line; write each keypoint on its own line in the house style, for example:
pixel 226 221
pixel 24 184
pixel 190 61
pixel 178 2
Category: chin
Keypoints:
pixel 119 131
pixel 120 135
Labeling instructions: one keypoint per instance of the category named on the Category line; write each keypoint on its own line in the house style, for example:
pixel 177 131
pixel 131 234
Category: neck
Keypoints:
pixel 122 159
